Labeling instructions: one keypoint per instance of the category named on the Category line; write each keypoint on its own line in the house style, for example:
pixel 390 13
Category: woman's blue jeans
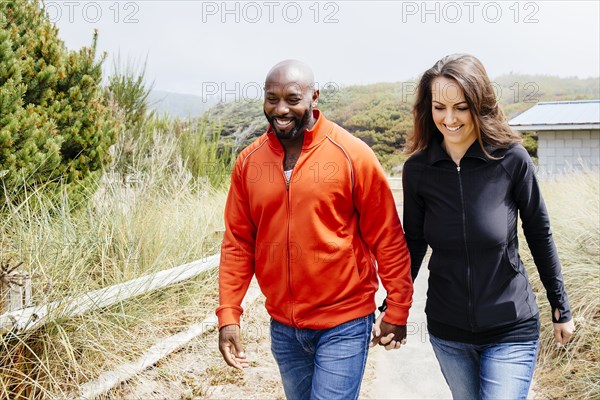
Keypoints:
pixel 324 363
pixel 487 372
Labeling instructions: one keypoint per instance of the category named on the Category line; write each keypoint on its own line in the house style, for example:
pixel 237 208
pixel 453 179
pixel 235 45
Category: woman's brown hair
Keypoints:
pixel 488 118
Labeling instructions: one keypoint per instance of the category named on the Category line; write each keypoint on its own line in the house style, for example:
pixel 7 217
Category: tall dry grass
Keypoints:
pixel 149 216
pixel 572 371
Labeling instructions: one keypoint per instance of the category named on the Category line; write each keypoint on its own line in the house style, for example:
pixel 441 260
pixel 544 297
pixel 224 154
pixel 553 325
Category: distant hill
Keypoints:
pixel 178 104
pixel 520 92
pixel 380 114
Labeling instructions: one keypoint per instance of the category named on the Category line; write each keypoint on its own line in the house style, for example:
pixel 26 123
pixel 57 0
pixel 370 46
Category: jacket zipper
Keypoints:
pixel 470 315
pixel 289 263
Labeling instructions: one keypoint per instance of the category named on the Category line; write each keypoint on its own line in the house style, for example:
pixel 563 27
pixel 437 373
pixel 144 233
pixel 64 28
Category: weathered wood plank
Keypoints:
pixel 108 380
pixel 31 318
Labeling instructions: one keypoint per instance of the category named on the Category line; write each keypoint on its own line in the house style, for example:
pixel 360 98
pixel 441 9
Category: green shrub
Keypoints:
pixel 530 143
pixel 202 152
pixel 128 89
pixel 127 93
pixel 54 124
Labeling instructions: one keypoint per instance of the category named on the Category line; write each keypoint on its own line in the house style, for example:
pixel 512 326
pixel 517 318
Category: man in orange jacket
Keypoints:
pixel 311 214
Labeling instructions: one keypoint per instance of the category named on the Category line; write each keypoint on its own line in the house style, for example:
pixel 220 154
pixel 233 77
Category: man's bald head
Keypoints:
pixel 290 96
pixel 291 71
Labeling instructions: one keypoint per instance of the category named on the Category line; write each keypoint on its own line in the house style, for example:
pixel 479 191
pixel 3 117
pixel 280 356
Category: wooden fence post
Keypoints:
pixel 15 288
pixel 15 294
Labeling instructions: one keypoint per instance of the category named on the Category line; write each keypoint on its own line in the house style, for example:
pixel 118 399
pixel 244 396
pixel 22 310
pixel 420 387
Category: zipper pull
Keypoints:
pixel 458 168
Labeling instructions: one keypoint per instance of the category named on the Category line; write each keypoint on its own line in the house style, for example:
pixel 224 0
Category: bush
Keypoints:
pixel 127 93
pixel 54 125
pixel 530 142
pixel 204 156
pixel 127 88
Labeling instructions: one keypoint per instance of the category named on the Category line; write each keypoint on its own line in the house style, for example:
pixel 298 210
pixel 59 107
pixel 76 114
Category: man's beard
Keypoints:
pixel 300 125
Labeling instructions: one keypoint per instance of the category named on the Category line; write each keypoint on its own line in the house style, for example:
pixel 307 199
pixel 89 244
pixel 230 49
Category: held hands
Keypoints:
pixel 389 335
pixel 562 332
pixel 231 347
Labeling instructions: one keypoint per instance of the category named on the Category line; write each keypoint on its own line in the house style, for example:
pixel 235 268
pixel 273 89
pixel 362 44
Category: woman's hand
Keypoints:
pixel 563 331
pixel 389 335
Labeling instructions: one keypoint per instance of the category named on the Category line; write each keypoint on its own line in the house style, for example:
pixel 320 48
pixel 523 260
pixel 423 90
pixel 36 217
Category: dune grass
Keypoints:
pixel 572 371
pixel 149 215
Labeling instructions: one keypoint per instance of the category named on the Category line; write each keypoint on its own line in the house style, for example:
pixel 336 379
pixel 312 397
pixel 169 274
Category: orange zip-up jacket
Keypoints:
pixel 313 243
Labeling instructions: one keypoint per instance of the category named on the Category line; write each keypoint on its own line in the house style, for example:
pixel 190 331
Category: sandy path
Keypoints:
pixel 412 372
pixel 198 372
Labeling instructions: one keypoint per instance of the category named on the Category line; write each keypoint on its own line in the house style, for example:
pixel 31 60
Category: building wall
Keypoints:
pixel 562 151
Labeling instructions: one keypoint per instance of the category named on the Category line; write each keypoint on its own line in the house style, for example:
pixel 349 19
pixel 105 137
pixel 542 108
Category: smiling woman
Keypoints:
pixel 451 114
pixel 465 187
pixel 462 82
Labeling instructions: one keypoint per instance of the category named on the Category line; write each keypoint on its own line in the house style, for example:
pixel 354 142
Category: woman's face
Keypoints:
pixel 451 113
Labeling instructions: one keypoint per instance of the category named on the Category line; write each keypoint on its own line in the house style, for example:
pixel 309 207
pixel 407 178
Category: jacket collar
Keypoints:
pixel 436 153
pixel 312 137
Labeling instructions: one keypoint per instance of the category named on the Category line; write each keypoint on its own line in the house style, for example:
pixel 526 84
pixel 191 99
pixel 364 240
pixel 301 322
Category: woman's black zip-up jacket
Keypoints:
pixel 468 215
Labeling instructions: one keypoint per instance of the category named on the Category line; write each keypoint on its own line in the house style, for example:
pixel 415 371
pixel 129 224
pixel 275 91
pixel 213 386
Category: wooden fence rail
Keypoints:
pixel 108 380
pixel 31 318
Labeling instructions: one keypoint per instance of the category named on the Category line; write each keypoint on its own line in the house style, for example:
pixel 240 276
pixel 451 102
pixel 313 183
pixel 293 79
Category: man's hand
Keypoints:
pixel 389 335
pixel 231 348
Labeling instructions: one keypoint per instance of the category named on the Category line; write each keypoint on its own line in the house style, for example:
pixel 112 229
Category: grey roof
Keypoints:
pixel 559 115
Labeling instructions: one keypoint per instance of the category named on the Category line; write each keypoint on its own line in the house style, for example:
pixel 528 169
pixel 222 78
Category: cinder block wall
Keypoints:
pixel 562 151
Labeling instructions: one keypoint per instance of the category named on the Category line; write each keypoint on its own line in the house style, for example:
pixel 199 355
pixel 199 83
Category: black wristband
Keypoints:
pixel 383 306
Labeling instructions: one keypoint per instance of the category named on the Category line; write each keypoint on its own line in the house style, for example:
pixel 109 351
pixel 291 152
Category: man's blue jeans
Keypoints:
pixel 322 364
pixel 488 372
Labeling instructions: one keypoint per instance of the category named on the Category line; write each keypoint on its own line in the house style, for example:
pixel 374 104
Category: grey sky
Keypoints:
pixel 193 45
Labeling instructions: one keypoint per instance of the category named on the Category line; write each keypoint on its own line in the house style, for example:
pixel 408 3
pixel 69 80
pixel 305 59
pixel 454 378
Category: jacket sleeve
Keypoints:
pixel 536 226
pixel 413 217
pixel 236 267
pixel 381 230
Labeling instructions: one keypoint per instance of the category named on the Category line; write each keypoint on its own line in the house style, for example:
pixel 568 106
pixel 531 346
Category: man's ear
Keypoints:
pixel 315 98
